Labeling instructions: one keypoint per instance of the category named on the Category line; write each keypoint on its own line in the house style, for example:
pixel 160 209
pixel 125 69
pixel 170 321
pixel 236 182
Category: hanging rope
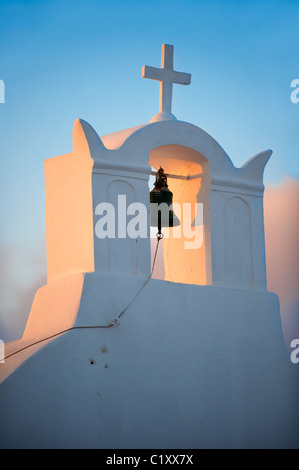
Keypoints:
pixel 159 237
pixel 115 322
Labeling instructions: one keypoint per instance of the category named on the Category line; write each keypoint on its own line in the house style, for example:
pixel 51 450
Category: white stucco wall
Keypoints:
pixel 187 367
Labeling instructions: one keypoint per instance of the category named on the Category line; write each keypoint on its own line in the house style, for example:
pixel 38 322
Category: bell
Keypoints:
pixel 161 194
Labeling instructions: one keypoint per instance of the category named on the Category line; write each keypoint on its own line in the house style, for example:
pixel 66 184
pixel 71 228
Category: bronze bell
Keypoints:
pixel 161 194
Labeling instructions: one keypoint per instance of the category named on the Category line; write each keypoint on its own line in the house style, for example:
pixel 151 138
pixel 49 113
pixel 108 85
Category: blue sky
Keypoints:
pixel 63 60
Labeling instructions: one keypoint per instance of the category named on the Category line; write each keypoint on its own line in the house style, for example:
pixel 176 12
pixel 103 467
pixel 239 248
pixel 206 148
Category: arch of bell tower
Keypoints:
pixel 186 250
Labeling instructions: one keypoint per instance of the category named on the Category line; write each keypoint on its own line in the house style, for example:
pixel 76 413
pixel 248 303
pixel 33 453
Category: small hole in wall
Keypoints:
pixel 106 366
pixel 91 361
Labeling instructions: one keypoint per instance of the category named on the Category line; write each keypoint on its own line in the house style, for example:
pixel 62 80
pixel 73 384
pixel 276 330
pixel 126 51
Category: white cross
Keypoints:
pixel 166 76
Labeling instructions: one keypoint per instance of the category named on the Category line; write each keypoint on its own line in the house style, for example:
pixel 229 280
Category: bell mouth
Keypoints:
pixel 164 218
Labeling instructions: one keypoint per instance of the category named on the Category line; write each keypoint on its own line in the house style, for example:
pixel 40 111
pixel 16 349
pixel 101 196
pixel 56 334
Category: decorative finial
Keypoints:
pixel 166 76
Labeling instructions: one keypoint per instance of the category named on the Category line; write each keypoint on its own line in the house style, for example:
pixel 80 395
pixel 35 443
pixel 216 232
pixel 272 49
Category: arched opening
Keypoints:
pixel 184 254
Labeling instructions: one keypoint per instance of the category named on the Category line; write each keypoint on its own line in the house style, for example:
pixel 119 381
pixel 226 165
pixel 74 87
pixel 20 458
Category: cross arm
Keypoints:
pixel 166 75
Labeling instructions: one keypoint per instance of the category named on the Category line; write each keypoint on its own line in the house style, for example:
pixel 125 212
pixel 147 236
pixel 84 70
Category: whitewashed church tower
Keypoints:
pixel 113 358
